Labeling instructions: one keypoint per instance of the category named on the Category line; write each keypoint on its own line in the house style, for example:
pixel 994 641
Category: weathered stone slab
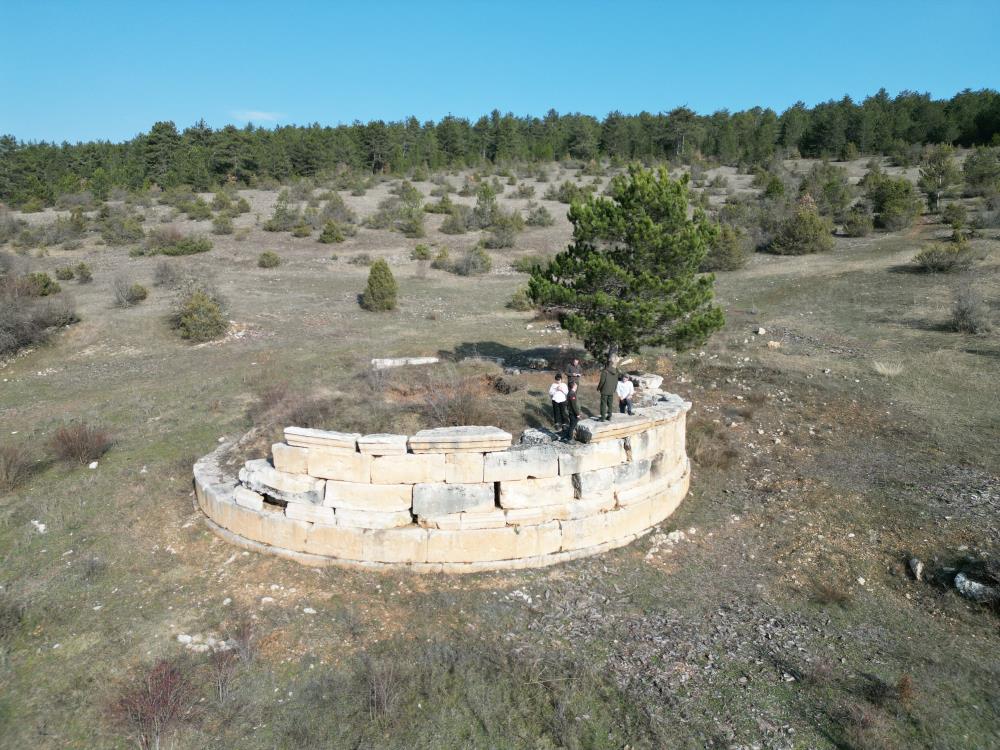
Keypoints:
pixel 538 436
pixel 476 545
pixel 249 499
pixel 310 513
pixel 537 515
pixel 382 498
pixel 306 437
pixel 594 430
pixel 458 439
pixel 280 531
pixel 408 469
pixel 492 519
pixel 368 519
pixel 590 507
pixel 395 545
pixel 290 459
pixel 438 499
pixel 384 363
pixel 643 444
pixel 649 381
pixel 594 483
pixel 344 542
pixel 463 468
pixel 382 444
pixel 528 462
pixel 631 474
pixel 259 476
pixel 338 464
pixel 579 457
pixel 531 493
pixel 603 527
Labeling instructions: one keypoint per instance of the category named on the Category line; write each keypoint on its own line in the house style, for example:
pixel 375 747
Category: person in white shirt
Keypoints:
pixel 558 392
pixel 625 389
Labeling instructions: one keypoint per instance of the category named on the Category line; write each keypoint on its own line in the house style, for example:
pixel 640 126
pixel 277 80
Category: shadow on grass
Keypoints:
pixel 511 356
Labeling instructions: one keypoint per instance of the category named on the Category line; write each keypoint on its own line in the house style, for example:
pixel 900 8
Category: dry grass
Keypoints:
pixel 80 443
pixel 710 446
pixel 16 464
pixel 890 368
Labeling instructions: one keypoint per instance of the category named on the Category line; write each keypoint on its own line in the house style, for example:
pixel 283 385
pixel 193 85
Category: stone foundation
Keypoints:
pixel 453 500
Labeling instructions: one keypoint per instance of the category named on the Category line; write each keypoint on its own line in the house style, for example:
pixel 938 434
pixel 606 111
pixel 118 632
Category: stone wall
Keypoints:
pixel 453 499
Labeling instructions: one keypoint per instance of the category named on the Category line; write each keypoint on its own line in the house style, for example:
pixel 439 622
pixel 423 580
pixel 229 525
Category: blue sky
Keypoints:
pixel 108 70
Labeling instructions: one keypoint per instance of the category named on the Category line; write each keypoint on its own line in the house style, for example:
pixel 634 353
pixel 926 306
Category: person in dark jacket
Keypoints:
pixel 606 388
pixel 574 372
pixel 573 411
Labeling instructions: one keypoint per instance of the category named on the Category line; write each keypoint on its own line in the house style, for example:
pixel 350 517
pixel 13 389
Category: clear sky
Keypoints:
pixel 108 70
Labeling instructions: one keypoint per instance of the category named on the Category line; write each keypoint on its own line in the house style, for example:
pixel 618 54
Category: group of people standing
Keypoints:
pixel 566 409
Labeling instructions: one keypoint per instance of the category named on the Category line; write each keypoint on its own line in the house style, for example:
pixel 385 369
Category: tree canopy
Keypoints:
pixel 630 278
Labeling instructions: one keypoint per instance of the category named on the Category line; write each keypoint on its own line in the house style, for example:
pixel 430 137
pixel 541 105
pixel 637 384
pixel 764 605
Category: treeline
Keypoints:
pixel 202 158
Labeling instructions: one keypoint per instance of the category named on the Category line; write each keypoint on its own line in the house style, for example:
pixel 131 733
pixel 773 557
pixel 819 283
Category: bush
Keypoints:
pixel 484 212
pixel 955 214
pixel 894 201
pixel 982 170
pixel 968 312
pixel 568 192
pixel 301 230
pixel 284 217
pixel 728 251
pixel 64 273
pixel 441 260
pixel 475 262
pixel 443 206
pixel 942 257
pixel 528 263
pixel 198 316
pixel 119 228
pixel 127 293
pixel 457 221
pixel 16 465
pixel 521 301
pixel 859 221
pixel 332 232
pixel 197 209
pixel 40 284
pixel 380 294
pixel 421 252
pixel 803 233
pixel 268 259
pixel 166 274
pixel 504 229
pixel 539 216
pixel 172 242
pixel 524 191
pixel 80 443
pixel 154 703
pixel 83 273
pixel 829 187
pixel 361 259
pixel 222 224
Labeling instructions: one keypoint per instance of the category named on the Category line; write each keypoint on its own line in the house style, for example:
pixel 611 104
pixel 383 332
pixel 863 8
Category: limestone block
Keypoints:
pixel 382 444
pixel 665 502
pixel 382 498
pixel 594 530
pixel 538 436
pixel 305 437
pixel 395 545
pixel 240 520
pixel 436 499
pixel 310 513
pixel 644 444
pixel 492 519
pixel 384 363
pixel 279 531
pixel 408 469
pixel 249 499
pixel 631 474
pixel 593 430
pixel 579 457
pixel 514 464
pixel 290 459
pixel 538 515
pixel 463 468
pixel 471 545
pixel 335 541
pixel 340 465
pixel 649 381
pixel 532 493
pixel 260 476
pixel 590 507
pixel 459 439
pixel 593 483
pixel 368 519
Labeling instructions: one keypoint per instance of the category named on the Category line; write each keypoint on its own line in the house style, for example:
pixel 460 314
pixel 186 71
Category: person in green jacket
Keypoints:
pixel 606 388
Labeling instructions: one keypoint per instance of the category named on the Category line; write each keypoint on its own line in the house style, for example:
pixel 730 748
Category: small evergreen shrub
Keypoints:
pixel 332 232
pixel 859 221
pixel 380 294
pixel 268 259
pixel 284 217
pixel 443 206
pixel 521 300
pixel 475 262
pixel 198 316
pixel 40 284
pixel 568 192
pixel 524 191
pixel 940 257
pixel 301 230
pixel 83 273
pixel 442 260
pixel 126 293
pixel 222 224
pixel 457 221
pixel 894 201
pixel 190 245
pixel 121 229
pixel 64 273
pixel 955 214
pixel 166 274
pixel 803 233
pixel 539 216
pixel 421 252
pixel 361 259
pixel 197 209
pixel 728 251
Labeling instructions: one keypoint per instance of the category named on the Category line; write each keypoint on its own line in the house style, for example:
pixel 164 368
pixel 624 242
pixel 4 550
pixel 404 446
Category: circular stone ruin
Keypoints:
pixel 456 499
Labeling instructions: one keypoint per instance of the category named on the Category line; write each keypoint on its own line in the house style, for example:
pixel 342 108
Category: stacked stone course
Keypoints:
pixel 453 499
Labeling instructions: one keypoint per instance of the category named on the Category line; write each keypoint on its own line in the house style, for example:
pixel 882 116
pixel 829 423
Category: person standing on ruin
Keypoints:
pixel 624 390
pixel 606 388
pixel 574 372
pixel 573 409
pixel 558 392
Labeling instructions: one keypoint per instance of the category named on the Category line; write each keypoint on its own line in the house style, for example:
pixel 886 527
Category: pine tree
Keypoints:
pixel 630 279
pixel 381 291
pixel 938 174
